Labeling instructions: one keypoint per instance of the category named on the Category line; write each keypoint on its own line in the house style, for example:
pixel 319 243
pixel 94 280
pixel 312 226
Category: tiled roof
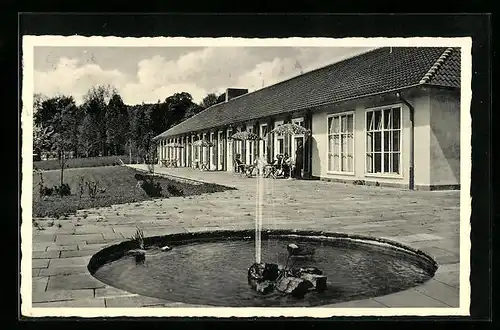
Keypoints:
pixel 377 71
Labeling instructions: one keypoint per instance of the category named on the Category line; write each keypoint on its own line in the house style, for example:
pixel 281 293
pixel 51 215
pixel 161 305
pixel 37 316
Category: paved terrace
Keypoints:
pixel 425 220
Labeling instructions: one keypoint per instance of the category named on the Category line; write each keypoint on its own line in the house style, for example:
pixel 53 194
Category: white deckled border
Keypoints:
pixel 30 42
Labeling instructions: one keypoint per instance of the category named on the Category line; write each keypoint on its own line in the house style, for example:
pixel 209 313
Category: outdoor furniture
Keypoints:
pixel 239 166
pixel 270 171
pixel 204 166
pixel 166 162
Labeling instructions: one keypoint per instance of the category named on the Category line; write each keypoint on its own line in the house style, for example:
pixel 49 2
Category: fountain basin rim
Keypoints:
pixel 117 251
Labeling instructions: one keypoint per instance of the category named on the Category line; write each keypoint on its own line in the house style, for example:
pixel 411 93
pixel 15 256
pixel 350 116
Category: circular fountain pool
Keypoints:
pixel 211 268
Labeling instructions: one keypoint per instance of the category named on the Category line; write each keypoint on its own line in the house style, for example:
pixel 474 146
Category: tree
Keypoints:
pixel 209 100
pixel 117 125
pixel 60 122
pixel 42 137
pixel 95 106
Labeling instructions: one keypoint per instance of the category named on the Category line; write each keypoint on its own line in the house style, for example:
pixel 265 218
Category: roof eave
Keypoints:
pixel 321 105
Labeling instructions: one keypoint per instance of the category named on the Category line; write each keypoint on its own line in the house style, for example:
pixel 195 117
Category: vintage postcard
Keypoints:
pixel 298 177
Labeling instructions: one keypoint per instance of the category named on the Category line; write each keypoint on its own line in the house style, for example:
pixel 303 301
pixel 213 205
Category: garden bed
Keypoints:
pixel 117 185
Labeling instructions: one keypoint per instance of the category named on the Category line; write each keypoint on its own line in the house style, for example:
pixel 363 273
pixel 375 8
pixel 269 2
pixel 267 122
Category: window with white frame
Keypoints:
pixel 213 150
pixel 279 141
pixel 206 150
pixel 250 147
pixel 297 137
pixel 220 149
pixel 383 140
pixel 197 149
pixel 341 143
pixel 263 142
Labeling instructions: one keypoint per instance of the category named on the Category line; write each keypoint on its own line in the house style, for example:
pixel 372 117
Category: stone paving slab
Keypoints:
pixel 50 296
pixel 133 301
pixel 79 303
pixel 424 220
pixel 440 291
pixel 366 303
pixel 63 270
pixel 409 298
pixel 73 282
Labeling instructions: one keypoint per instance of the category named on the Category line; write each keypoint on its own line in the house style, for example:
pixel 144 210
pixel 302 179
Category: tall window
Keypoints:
pixel 220 150
pixel 297 137
pixel 341 143
pixel 196 149
pixel 251 147
pixel 205 150
pixel 263 142
pixel 383 140
pixel 279 141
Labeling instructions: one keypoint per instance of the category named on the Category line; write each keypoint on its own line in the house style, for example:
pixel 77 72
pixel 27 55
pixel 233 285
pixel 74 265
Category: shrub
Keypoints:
pixel 42 189
pixel 81 186
pixel 92 188
pixel 174 191
pixel 151 188
pixel 62 190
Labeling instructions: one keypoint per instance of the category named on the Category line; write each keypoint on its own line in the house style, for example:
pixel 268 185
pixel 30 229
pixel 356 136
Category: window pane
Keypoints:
pixel 378 120
pixel 369 142
pixel 395 162
pixel 395 140
pixel 350 163
pixel 387 141
pixel 387 118
pixel 369 118
pixel 386 162
pixel 369 163
pixel 377 166
pixel 330 125
pixel 330 144
pixel 336 162
pixel 330 162
pixel 336 124
pixel 350 124
pixel 396 117
pixel 344 124
pixel 378 141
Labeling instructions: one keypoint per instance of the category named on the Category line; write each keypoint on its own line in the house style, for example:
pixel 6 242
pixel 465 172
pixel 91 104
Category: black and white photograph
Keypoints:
pixel 246 177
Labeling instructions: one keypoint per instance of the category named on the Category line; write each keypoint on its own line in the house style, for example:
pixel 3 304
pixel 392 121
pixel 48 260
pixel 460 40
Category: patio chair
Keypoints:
pixel 239 166
pixel 204 166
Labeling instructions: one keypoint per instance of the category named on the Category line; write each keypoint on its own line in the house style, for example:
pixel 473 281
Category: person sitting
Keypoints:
pixel 240 166
pixel 278 165
pixel 287 165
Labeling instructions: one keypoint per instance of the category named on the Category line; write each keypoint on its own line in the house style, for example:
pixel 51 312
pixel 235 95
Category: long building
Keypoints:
pixel 390 116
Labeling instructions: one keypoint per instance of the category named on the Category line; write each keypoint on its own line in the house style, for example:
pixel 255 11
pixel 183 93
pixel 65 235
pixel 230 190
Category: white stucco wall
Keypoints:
pixel 444 138
pixel 421 104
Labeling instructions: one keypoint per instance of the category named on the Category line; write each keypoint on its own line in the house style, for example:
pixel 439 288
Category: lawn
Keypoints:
pixel 117 182
pixel 53 164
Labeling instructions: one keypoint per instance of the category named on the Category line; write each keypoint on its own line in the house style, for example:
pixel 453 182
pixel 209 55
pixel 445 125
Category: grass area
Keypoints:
pixel 119 187
pixel 53 164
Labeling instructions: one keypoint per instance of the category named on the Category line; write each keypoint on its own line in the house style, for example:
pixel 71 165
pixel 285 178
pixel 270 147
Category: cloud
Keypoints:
pixel 198 72
pixel 69 78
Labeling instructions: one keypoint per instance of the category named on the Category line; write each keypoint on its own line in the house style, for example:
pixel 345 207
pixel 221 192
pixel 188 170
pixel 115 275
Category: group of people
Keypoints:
pixel 283 164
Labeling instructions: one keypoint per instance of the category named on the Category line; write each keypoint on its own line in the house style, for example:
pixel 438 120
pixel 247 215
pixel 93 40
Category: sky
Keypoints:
pixel 149 74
